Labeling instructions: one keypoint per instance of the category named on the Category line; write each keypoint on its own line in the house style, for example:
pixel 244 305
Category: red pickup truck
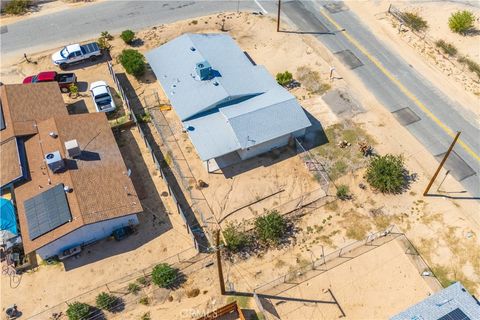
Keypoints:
pixel 64 79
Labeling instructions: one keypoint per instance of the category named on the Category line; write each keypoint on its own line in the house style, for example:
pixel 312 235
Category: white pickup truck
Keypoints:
pixel 76 53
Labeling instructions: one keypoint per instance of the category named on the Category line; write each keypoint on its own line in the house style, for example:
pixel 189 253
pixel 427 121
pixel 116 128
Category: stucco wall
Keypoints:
pixel 86 234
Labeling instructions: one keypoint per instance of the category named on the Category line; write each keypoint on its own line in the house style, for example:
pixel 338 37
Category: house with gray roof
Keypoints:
pixel 228 105
pixel 451 303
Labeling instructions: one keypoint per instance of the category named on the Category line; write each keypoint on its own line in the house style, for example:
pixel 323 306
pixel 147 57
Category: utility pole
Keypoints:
pixel 445 157
pixel 219 265
pixel 278 16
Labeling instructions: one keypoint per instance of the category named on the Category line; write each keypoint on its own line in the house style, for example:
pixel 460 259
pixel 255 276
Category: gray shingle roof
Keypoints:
pixel 238 106
pixel 442 303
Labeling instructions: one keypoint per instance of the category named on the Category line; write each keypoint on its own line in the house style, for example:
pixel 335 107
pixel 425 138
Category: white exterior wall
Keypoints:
pixel 269 145
pixel 86 234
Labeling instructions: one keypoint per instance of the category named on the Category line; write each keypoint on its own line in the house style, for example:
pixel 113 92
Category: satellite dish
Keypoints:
pixel 129 172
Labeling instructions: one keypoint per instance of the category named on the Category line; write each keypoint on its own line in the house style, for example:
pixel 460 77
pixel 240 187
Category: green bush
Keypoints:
pixel 105 301
pixel 343 192
pixel 17 6
pixel 235 239
pixel 78 311
pixel 284 78
pixel 461 21
pixel 270 227
pixel 133 62
pixel 386 173
pixel 133 288
pixel 146 316
pixel 446 47
pixel 127 36
pixel 414 21
pixel 472 65
pixel 106 35
pixel 163 275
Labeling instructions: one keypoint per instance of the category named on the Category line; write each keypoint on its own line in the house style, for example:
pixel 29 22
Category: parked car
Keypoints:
pixel 76 53
pixel 102 97
pixel 122 233
pixel 64 79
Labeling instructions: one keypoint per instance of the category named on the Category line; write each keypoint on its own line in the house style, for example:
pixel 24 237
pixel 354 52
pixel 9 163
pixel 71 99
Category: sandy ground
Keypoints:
pixel 446 231
pixel 453 79
pixel 375 285
pixel 43 9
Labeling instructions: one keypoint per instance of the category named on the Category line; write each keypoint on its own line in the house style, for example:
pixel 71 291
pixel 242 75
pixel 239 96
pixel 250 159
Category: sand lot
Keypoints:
pixel 446 231
pixel 375 285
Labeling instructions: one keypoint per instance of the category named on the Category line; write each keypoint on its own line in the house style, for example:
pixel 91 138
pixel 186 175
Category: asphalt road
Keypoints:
pixel 425 111
pixel 74 25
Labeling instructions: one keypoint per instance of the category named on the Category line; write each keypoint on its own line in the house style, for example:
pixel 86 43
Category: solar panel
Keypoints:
pixel 47 211
pixel 455 314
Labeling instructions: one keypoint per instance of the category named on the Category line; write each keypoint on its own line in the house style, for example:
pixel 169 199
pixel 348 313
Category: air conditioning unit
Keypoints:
pixel 54 161
pixel 73 149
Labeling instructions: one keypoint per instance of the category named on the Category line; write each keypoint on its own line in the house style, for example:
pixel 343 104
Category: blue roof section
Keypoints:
pixel 445 302
pixel 239 105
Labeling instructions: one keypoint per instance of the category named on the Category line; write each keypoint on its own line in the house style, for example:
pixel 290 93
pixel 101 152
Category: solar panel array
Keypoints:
pixel 47 211
pixel 456 314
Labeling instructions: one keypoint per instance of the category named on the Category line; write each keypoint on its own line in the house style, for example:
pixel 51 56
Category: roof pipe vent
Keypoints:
pixel 193 49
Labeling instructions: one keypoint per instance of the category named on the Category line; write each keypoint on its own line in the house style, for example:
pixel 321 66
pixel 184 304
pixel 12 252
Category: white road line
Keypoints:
pixel 260 6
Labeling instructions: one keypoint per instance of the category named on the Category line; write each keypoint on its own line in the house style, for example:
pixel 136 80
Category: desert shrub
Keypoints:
pixel 78 311
pixel 235 238
pixel 311 80
pixel 163 275
pixel 17 6
pixel 472 65
pixel 105 301
pixel 146 316
pixel 144 300
pixel 386 173
pixel 193 293
pixel 133 62
pixel 414 21
pixel 143 281
pixel 270 227
pixel 133 288
pixel 461 21
pixel 127 36
pixel 284 78
pixel 446 47
pixel 343 192
pixel 106 35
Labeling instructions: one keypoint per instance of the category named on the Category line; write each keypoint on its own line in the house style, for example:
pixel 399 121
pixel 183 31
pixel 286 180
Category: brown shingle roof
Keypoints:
pixel 101 189
pixel 10 167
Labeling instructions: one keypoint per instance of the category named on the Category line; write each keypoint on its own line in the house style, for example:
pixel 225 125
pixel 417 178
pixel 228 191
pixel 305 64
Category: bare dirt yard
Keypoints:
pixel 446 231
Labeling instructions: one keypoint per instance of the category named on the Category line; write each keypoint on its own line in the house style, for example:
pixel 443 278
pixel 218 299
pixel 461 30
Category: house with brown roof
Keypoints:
pixel 71 186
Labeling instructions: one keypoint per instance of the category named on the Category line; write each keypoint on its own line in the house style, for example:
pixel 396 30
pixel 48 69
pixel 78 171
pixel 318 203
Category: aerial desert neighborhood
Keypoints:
pixel 240 159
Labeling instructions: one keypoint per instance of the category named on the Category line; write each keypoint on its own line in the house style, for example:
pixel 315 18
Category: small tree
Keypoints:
pixel 235 239
pixel 78 311
pixel 386 173
pixel 343 192
pixel 133 62
pixel 270 227
pixel 17 6
pixel 461 21
pixel 163 275
pixel 127 36
pixel 284 78
pixel 415 21
pixel 105 301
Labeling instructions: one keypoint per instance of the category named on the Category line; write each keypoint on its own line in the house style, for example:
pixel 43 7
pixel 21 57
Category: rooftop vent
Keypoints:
pixel 53 134
pixel 73 149
pixel 203 70
pixel 54 161
pixel 193 49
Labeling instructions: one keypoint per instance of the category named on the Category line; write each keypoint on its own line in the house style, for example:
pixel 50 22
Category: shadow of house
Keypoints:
pixel 315 135
pixel 175 188
pixel 77 107
pixel 153 221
